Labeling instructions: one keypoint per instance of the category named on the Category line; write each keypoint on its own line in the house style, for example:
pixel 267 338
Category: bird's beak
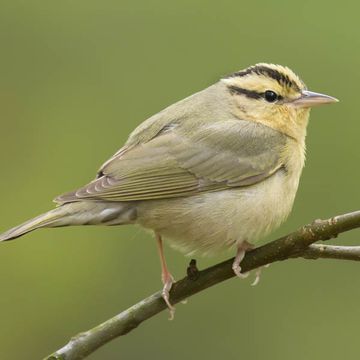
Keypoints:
pixel 310 98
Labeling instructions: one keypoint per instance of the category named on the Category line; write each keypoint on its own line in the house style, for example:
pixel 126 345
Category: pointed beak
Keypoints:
pixel 310 98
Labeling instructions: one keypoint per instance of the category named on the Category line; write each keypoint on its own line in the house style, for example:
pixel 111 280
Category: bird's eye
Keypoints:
pixel 271 96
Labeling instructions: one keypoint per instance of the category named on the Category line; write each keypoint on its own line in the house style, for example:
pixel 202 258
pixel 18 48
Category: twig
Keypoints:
pixel 296 244
pixel 332 252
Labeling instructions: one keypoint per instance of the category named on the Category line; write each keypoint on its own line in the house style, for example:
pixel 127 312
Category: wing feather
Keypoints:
pixel 214 157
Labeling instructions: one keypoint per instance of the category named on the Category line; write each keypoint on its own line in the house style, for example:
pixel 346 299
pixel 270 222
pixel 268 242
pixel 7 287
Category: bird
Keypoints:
pixel 217 170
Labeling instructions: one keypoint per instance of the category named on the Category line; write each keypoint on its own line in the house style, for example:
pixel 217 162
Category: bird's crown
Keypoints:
pixel 255 80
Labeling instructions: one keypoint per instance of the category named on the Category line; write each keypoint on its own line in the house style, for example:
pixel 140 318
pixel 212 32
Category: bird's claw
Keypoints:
pixel 257 277
pixel 237 270
pixel 166 295
pixel 258 273
pixel 240 254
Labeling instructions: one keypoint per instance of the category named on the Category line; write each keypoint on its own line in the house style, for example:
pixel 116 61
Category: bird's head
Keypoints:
pixel 275 96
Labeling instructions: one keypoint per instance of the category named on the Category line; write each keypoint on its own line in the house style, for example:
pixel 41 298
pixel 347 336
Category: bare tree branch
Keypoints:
pixel 316 251
pixel 296 244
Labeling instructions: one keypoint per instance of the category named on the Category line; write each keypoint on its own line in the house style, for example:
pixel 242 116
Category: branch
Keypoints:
pixel 294 245
pixel 332 252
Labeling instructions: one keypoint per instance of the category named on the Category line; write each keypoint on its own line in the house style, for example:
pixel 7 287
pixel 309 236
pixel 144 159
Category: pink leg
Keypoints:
pixel 240 253
pixel 166 277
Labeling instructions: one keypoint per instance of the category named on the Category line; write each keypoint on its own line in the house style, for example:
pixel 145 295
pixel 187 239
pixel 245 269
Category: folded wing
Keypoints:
pixel 217 156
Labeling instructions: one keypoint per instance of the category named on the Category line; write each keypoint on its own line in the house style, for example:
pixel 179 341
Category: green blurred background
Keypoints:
pixel 76 78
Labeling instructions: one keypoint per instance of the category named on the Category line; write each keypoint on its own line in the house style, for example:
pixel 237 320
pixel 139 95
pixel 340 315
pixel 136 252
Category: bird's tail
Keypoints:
pixel 49 219
pixel 77 213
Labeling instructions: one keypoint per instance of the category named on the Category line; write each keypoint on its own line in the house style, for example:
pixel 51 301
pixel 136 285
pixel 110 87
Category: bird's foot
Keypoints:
pixel 240 253
pixel 168 280
pixel 257 274
pixel 237 270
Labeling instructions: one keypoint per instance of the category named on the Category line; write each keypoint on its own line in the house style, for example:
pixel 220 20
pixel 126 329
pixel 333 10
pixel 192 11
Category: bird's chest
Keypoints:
pixel 262 208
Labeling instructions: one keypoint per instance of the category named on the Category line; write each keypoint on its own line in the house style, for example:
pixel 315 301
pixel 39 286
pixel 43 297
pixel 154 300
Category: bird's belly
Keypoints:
pixel 212 222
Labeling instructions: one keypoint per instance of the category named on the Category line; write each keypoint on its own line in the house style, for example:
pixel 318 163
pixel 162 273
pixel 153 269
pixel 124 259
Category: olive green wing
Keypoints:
pixel 237 153
pixel 176 163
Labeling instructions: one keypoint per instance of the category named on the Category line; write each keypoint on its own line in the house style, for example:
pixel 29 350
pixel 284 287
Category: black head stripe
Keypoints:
pixel 248 93
pixel 281 78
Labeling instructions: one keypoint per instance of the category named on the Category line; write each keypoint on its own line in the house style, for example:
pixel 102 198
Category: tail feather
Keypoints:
pixel 77 213
pixel 49 219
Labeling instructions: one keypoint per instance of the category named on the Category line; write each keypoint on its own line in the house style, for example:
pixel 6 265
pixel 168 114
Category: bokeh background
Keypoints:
pixel 76 78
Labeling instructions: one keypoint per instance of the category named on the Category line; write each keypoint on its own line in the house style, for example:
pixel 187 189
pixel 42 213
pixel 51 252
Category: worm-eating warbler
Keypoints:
pixel 219 169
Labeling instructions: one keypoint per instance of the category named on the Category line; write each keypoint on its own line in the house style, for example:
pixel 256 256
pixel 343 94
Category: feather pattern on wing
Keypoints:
pixel 215 156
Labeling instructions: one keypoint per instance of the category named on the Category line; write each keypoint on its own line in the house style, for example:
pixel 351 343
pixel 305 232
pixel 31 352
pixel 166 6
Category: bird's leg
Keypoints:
pixel 166 277
pixel 240 253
